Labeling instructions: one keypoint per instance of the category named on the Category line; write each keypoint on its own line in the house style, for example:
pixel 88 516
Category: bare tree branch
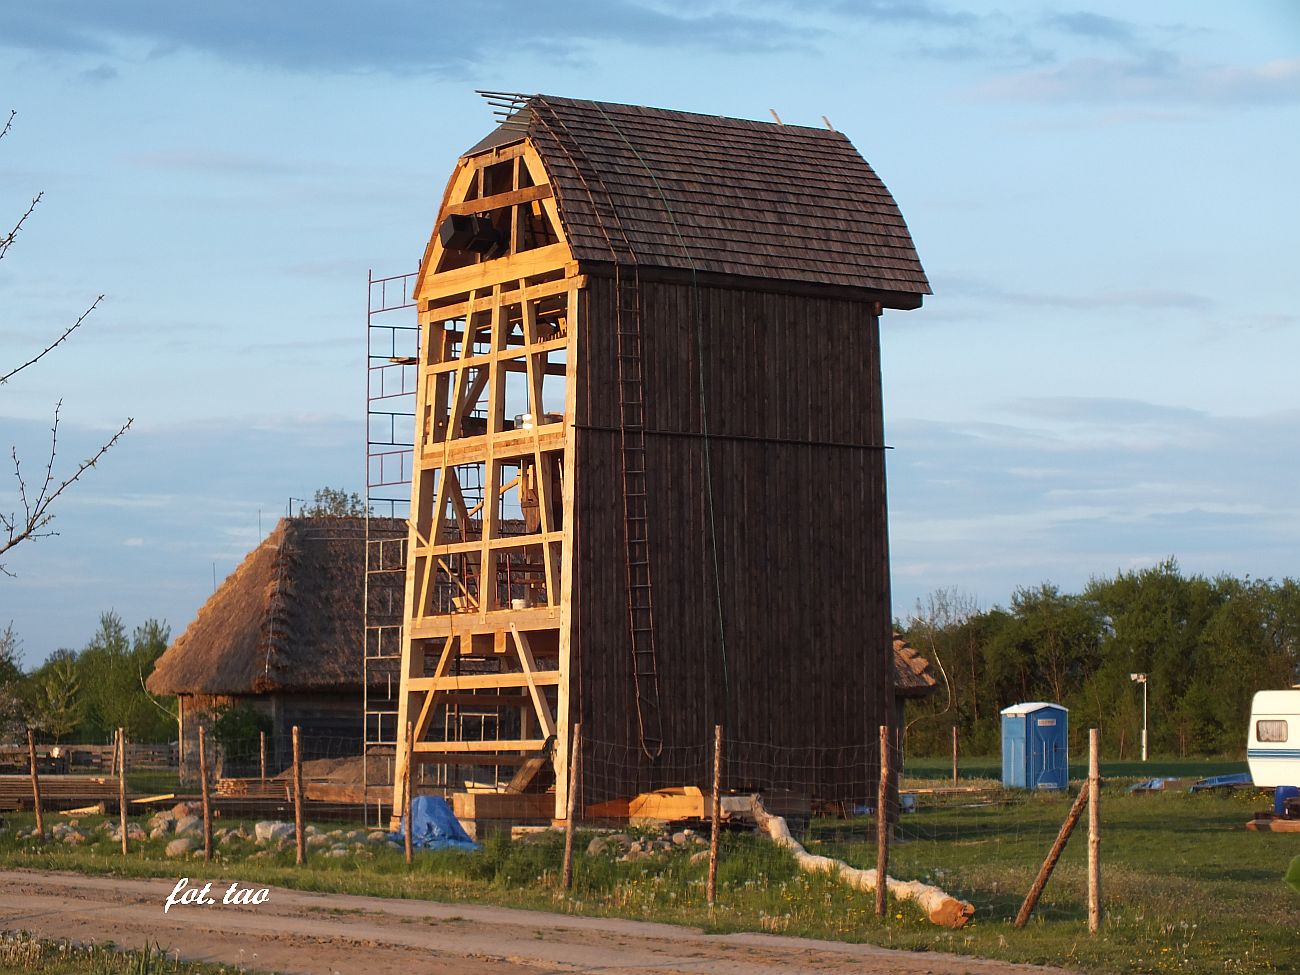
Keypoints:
pixel 8 239
pixel 8 123
pixel 55 344
pixel 35 516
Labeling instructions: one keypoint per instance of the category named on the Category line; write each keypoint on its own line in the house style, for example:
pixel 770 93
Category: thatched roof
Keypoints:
pixel 912 676
pixel 289 618
pixel 706 194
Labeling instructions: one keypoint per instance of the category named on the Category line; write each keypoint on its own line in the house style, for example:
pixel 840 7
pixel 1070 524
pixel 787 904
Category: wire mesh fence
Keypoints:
pixel 974 840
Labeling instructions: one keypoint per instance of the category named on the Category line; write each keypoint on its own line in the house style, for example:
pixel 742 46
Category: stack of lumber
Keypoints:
pixel 57 791
pixel 254 788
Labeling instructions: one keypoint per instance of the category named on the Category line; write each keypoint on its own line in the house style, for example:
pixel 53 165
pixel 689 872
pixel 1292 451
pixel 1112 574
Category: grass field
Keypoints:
pixel 22 955
pixel 1186 887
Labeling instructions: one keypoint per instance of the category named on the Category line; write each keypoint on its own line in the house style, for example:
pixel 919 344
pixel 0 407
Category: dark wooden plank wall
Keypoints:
pixel 801 553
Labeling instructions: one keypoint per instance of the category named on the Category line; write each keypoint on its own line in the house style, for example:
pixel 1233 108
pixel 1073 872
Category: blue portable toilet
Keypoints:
pixel 1035 752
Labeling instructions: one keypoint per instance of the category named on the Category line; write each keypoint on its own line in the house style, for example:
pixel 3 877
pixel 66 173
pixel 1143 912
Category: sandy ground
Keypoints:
pixel 320 934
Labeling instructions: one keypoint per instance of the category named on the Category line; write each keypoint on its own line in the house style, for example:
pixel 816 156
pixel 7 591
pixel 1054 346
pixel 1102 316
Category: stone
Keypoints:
pixel 700 856
pixel 316 840
pixel 183 809
pixel 680 839
pixel 189 824
pixel 268 831
pixel 598 847
pixel 378 836
pixel 336 852
pixel 353 835
pixel 180 847
pixel 158 832
pixel 335 834
pixel 73 837
pixel 230 839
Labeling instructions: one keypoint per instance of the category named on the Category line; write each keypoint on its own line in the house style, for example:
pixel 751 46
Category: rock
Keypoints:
pixel 180 847
pixel 134 832
pixel 269 831
pixel 681 839
pixel 378 836
pixel 316 840
pixel 73 837
pixel 598 847
pixel 310 830
pixel 183 809
pixel 336 852
pixel 230 839
pixel 353 835
pixel 335 834
pixel 158 832
pixel 700 856
pixel 189 824
pixel 622 839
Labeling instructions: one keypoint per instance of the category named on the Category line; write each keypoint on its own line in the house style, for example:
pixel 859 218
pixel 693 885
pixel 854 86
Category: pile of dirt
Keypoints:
pixel 345 771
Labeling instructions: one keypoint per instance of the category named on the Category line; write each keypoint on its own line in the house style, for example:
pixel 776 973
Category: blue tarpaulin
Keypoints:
pixel 434 826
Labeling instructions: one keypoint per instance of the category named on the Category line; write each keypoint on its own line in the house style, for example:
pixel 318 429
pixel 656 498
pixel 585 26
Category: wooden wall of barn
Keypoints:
pixel 800 572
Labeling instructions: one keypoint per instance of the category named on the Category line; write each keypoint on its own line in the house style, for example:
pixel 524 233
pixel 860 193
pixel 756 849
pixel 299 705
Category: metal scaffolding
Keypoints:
pixel 392 354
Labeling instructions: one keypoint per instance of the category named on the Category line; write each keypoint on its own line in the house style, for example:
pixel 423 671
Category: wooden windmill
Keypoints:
pixel 649 486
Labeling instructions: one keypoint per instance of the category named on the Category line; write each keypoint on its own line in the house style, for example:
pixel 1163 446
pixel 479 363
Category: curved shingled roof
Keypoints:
pixel 718 195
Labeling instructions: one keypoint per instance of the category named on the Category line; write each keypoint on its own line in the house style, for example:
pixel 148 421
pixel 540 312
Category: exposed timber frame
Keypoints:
pixel 485 647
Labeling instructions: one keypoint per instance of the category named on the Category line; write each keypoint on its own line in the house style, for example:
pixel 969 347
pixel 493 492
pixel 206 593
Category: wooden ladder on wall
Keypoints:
pixel 631 385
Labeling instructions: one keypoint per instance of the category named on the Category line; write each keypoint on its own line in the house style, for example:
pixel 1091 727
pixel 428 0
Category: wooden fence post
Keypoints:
pixel 408 827
pixel 36 786
pixel 203 791
pixel 1094 830
pixel 1045 871
pixel 882 824
pixel 261 753
pixel 121 784
pixel 954 756
pixel 715 815
pixel 297 797
pixel 575 759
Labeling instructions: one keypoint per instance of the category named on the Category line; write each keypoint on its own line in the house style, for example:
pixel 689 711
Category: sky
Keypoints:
pixel 1103 195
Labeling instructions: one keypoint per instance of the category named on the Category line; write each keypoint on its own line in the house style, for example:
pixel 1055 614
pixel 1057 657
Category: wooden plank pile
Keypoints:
pixel 57 791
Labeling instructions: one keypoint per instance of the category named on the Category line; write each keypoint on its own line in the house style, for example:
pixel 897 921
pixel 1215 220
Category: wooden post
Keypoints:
pixel 36 786
pixel 954 756
pixel 203 787
pixel 1045 871
pixel 297 797
pixel 882 824
pixel 1094 830
pixel 121 784
pixel 575 760
pixel 715 815
pixel 408 827
pixel 261 753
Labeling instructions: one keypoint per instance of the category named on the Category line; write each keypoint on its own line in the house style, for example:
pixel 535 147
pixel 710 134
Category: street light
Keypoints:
pixel 1142 679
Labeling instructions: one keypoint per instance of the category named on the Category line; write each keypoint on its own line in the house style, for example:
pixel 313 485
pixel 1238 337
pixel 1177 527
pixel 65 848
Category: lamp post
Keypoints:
pixel 1142 679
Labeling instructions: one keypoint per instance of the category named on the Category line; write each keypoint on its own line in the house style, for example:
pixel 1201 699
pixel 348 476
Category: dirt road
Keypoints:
pixel 320 934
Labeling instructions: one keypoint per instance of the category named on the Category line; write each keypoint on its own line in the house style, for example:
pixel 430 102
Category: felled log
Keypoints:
pixel 941 908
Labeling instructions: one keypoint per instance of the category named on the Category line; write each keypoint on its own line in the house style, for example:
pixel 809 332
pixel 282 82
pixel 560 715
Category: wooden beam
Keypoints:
pixel 466 682
pixel 530 668
pixel 462 747
pixel 495 202
pixel 552 257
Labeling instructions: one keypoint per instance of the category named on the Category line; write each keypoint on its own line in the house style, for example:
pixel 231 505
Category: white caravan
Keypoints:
pixel 1273 746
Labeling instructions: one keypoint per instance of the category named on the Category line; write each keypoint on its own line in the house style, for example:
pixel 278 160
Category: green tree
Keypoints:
pixel 57 704
pixel 11 686
pixel 330 502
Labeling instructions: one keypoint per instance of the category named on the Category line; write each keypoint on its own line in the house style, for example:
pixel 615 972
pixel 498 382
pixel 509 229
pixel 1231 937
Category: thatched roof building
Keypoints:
pixel 284 633
pixel 912 675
